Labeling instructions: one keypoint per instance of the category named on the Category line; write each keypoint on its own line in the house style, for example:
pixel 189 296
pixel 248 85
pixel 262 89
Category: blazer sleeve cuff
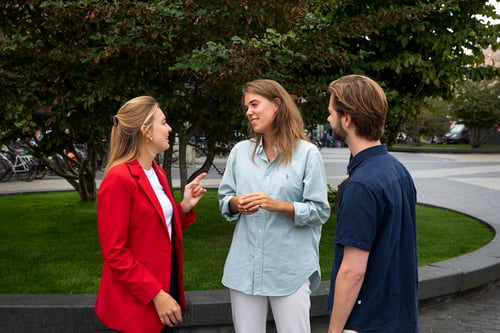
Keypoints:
pixel 186 218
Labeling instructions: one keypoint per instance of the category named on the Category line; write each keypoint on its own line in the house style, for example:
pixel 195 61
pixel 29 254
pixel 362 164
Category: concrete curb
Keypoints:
pixel 210 311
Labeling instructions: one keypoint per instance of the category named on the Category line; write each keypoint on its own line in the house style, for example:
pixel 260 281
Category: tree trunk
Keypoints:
pixel 183 141
pixel 80 173
pixel 86 176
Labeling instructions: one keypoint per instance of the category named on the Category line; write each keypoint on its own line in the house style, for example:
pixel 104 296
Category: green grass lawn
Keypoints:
pixel 49 243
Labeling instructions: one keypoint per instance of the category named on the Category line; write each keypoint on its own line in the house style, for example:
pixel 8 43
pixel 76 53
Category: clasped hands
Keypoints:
pixel 250 203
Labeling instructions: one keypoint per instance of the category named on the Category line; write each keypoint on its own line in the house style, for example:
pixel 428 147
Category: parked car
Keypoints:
pixel 457 134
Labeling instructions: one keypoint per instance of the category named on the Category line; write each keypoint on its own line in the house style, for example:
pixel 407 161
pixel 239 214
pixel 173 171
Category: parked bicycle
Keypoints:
pixel 6 170
pixel 18 162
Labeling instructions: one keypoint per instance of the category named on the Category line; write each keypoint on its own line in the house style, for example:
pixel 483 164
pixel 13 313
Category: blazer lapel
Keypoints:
pixel 145 185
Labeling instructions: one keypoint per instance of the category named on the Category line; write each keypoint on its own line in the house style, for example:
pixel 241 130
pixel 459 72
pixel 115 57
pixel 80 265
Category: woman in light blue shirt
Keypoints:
pixel 274 186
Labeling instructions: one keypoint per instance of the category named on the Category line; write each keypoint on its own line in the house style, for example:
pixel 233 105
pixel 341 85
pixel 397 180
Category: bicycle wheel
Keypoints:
pixel 32 171
pixel 24 171
pixel 40 168
pixel 6 171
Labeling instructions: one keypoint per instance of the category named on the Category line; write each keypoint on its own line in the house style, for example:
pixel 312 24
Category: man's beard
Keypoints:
pixel 339 133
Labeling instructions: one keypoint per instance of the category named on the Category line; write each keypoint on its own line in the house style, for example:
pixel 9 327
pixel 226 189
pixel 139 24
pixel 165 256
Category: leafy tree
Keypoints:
pixel 80 60
pixel 477 105
pixel 432 122
pixel 66 67
pixel 414 49
pixel 232 44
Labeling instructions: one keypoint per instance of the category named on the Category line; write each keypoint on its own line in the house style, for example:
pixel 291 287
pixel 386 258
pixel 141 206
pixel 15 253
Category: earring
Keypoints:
pixel 148 139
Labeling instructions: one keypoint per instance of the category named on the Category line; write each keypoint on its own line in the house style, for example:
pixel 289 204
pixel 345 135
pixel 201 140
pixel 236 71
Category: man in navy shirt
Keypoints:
pixel 375 272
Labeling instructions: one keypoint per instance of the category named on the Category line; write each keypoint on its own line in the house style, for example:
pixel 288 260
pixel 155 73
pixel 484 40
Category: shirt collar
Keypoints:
pixel 261 152
pixel 260 147
pixel 364 155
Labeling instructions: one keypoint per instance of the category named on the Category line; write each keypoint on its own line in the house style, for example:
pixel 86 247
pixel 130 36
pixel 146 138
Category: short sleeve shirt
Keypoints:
pixel 376 213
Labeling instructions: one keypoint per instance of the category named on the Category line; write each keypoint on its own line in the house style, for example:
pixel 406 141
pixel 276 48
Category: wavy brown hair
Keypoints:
pixel 364 100
pixel 287 126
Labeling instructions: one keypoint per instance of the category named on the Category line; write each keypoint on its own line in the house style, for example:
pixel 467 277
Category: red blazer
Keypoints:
pixel 136 249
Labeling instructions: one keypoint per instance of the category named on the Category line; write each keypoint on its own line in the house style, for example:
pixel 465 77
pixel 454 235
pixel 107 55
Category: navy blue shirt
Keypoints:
pixel 376 213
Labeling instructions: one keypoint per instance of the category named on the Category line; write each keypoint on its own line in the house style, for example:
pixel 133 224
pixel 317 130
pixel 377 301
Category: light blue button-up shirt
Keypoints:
pixel 273 254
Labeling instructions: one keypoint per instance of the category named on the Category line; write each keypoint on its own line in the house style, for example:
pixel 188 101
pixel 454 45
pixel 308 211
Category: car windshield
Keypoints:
pixel 457 128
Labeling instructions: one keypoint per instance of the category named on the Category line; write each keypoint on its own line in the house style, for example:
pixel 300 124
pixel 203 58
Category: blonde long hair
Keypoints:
pixel 126 135
pixel 287 126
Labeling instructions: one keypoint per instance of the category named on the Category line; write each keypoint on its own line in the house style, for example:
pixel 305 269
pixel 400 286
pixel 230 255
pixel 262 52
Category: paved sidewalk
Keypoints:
pixel 478 312
pixel 468 183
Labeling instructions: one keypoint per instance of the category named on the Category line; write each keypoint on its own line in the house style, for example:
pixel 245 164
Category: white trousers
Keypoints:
pixel 291 312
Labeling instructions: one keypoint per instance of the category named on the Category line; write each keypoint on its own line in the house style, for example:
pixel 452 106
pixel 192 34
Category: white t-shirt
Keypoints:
pixel 165 203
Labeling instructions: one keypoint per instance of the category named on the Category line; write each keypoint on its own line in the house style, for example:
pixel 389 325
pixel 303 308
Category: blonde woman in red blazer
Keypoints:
pixel 140 226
